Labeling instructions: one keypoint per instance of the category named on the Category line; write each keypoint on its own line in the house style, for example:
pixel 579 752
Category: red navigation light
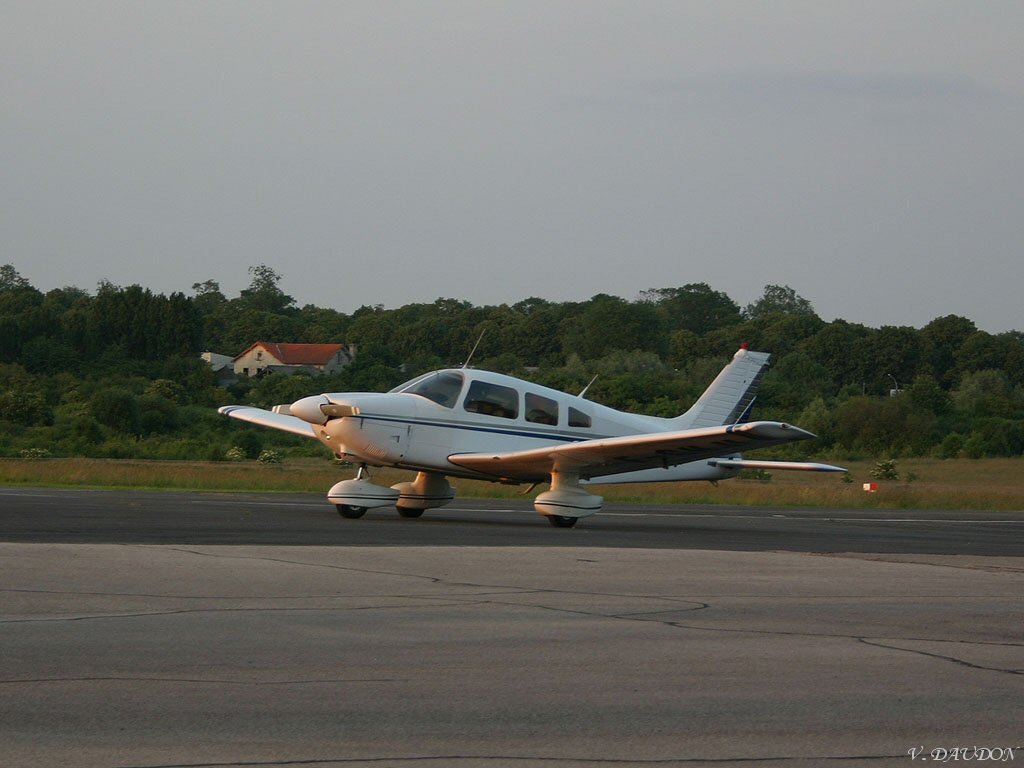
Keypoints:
pixel 744 345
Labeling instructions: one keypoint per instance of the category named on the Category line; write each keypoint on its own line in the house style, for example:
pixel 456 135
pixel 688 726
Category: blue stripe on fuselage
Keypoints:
pixel 480 428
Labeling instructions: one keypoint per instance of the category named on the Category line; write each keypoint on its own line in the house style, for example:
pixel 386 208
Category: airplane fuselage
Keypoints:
pixel 409 430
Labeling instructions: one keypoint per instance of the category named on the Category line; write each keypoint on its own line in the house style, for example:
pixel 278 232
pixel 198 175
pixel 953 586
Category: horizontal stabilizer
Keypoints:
pixel 270 419
pixel 800 466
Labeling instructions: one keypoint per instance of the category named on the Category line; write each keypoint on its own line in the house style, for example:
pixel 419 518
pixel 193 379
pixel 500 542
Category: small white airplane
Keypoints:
pixel 468 423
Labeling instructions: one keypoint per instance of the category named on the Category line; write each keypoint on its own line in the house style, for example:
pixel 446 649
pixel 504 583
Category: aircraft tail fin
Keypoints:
pixel 729 398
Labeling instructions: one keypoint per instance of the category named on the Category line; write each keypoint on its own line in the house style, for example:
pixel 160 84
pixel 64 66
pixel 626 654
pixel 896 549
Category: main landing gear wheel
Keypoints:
pixel 350 512
pixel 409 512
pixel 561 521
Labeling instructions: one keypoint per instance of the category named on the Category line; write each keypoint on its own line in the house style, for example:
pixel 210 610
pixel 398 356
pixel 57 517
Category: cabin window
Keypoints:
pixel 442 388
pixel 541 410
pixel 578 418
pixel 492 400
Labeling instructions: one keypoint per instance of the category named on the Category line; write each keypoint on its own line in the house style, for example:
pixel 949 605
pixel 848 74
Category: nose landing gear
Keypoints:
pixel 353 497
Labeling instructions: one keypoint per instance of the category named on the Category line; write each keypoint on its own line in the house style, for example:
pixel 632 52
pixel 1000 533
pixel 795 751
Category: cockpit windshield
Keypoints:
pixel 443 387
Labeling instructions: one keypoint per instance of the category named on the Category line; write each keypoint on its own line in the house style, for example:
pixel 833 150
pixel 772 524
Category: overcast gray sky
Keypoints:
pixel 868 154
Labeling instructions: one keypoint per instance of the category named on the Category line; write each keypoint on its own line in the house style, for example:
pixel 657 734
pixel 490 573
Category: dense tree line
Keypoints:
pixel 117 373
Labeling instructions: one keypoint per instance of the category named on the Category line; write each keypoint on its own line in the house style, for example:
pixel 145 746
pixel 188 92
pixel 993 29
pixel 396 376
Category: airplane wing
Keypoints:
pixel 613 455
pixel 270 419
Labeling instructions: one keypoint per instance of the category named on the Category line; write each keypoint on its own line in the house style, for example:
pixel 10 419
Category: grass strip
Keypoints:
pixel 983 484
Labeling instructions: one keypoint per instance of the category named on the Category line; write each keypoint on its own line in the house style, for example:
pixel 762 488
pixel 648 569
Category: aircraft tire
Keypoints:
pixel 350 512
pixel 561 521
pixel 410 511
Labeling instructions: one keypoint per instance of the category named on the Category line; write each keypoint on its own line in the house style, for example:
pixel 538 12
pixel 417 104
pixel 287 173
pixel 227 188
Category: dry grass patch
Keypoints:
pixel 952 484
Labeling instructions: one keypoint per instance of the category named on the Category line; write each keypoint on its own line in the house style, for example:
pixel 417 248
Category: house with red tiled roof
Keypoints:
pixel 277 357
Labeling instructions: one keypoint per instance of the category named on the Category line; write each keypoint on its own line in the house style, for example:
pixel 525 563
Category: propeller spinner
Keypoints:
pixel 317 409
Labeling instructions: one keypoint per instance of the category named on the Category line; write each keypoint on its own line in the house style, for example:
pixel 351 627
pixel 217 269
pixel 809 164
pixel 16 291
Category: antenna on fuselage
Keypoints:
pixel 584 392
pixel 473 351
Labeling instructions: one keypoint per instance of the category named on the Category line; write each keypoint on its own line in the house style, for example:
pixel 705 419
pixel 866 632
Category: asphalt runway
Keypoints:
pixel 169 629
pixel 162 517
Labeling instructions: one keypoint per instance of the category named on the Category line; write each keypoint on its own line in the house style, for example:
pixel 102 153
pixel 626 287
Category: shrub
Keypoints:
pixel 250 442
pixel 118 448
pixel 34 453
pixel 116 408
pixel 269 457
pixel 214 452
pixel 235 453
pixel 167 390
pixel 156 414
pixel 24 406
pixel 974 446
pixel 759 475
pixel 951 446
pixel 885 470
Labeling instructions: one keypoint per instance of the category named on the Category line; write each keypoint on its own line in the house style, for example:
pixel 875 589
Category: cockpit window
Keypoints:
pixel 492 400
pixel 541 410
pixel 443 388
pixel 578 418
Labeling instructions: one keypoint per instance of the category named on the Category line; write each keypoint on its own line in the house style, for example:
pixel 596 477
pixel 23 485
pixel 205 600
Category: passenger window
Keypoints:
pixel 492 400
pixel 541 410
pixel 443 388
pixel 578 418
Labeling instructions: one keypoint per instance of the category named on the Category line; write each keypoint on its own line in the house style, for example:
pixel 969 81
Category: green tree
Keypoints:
pixel 941 338
pixel 264 293
pixel 11 280
pixel 146 326
pixel 891 352
pixel 974 446
pixel 207 295
pixel 834 346
pixel 156 414
pixel 318 325
pixel 116 408
pixel 781 334
pixel 819 418
pixel 539 342
pixel 793 382
pixel 280 388
pixel 609 322
pixel 683 346
pixel 21 318
pixel 48 355
pixel 878 425
pixel 779 299
pixel 983 393
pixel 22 405
pixel 924 393
pixel 168 390
pixel 951 446
pixel 176 327
pixel 982 351
pixel 694 307
pixel 251 325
